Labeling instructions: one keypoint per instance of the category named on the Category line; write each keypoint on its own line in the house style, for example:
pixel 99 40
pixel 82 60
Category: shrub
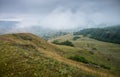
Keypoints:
pixel 94 48
pixel 82 59
pixel 55 42
pixel 79 58
pixel 67 43
pixel 76 37
pixel 105 67
pixel 100 65
pixel 91 52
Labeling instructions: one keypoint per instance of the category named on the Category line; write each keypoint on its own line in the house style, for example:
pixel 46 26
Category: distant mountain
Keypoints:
pixel 6 26
pixel 54 34
pixel 11 27
pixel 108 34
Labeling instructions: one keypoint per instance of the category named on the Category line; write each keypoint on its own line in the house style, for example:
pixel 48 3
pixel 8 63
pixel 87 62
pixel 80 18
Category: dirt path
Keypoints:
pixel 74 63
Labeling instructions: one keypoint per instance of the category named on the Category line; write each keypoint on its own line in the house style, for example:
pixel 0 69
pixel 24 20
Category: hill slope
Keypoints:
pixel 92 52
pixel 26 55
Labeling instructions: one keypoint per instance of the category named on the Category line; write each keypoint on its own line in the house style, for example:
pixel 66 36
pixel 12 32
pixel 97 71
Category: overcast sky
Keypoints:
pixel 60 14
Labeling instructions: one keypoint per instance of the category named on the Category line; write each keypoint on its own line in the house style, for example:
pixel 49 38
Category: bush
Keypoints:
pixel 79 58
pixel 91 52
pixel 67 43
pixel 105 67
pixel 100 65
pixel 76 37
pixel 55 42
pixel 94 48
pixel 82 59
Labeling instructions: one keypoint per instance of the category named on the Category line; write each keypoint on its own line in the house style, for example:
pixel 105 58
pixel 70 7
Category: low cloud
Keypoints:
pixel 69 14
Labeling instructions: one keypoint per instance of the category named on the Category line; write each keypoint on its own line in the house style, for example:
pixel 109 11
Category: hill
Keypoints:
pixel 27 55
pixel 91 52
pixel 108 34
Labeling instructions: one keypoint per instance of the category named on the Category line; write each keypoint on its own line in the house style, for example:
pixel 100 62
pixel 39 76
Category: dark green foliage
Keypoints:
pixel 67 43
pixel 105 67
pixel 55 42
pixel 91 52
pixel 100 65
pixel 79 58
pixel 108 34
pixel 84 60
pixel 76 37
pixel 94 48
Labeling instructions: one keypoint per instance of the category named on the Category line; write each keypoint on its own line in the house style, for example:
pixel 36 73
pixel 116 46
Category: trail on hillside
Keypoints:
pixel 74 63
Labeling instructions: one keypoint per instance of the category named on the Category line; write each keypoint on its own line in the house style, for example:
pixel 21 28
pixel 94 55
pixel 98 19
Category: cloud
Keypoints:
pixel 59 19
pixel 60 14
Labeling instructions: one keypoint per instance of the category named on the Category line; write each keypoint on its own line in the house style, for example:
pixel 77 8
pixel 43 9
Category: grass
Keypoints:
pixel 26 55
pixel 104 54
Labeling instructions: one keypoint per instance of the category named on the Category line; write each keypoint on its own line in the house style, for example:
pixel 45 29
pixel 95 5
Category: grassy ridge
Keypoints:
pixel 21 56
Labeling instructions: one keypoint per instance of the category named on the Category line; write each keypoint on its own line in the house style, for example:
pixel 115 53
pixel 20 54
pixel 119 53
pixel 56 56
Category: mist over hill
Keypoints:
pixel 7 27
pixel 61 14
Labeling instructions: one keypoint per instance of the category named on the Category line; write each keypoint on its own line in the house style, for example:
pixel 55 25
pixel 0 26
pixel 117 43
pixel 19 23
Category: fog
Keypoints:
pixel 60 14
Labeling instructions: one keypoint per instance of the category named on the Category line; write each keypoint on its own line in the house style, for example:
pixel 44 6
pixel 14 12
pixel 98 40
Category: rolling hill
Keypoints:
pixel 91 52
pixel 27 55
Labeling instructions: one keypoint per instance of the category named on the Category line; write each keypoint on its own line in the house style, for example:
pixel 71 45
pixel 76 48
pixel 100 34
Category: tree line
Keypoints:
pixel 107 34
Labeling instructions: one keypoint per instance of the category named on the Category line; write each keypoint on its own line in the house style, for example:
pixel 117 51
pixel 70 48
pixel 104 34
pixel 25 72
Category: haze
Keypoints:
pixel 60 14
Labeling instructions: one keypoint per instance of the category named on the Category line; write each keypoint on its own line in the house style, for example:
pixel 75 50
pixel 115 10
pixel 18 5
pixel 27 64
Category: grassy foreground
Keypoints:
pixel 26 55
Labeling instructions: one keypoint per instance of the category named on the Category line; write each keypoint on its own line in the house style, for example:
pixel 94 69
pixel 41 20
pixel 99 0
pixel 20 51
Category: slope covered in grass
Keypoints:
pixel 26 55
pixel 91 52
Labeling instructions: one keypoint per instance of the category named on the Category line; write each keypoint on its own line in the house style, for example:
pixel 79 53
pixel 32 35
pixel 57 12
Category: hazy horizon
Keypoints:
pixel 60 14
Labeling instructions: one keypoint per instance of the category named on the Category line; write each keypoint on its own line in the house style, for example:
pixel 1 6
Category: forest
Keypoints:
pixel 107 34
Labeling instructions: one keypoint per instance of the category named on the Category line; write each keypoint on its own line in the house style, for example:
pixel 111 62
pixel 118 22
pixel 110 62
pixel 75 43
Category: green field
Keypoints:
pixel 98 54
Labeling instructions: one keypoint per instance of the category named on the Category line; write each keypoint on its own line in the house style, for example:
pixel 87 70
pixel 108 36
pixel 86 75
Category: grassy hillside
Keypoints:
pixel 26 55
pixel 91 52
